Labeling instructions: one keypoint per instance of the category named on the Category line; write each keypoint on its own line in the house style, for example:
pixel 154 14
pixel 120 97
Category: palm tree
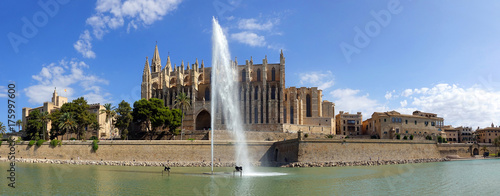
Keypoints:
pixel 183 102
pixel 496 142
pixel 2 129
pixel 110 112
pixel 19 123
pixel 67 123
pixel 44 118
pixel 96 126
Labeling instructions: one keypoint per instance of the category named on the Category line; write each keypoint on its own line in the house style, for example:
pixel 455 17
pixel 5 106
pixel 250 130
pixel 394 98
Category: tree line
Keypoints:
pixel 74 117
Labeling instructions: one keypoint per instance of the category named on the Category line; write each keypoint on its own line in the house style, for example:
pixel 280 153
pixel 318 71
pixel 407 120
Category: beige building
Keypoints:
pixel 106 132
pixel 451 134
pixel 265 102
pixel 386 125
pixel 487 135
pixel 348 124
pixel 466 135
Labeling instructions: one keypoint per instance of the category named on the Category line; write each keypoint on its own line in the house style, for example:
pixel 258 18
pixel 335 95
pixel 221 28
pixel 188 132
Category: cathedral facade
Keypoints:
pixel 266 103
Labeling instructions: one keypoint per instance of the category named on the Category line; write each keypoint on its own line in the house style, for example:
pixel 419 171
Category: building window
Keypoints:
pixel 258 75
pixel 291 115
pixel 273 91
pixel 256 92
pixel 385 120
pixel 256 120
pixel 415 122
pixel 207 94
pixel 273 73
pixel 308 106
pixel 243 76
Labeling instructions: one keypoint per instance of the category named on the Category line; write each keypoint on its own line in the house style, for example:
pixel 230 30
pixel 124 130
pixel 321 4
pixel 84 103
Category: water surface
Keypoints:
pixel 478 177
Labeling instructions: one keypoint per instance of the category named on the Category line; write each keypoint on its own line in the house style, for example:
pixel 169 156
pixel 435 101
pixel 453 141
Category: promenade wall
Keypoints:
pixel 261 152
pixel 328 150
pixel 141 150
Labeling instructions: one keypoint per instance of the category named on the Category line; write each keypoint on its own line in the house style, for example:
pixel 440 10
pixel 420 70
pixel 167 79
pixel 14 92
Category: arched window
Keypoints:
pixel 308 105
pixel 291 115
pixel 258 75
pixel 256 92
pixel 207 94
pixel 243 76
pixel 273 73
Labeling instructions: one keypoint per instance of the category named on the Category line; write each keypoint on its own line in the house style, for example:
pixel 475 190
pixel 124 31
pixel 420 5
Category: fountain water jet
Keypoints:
pixel 224 87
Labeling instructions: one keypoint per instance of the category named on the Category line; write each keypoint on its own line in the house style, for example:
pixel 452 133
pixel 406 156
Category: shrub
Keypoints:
pixel 94 145
pixel 405 138
pixel 346 137
pixel 40 142
pixel 191 139
pixel 329 136
pixel 306 135
pixel 440 139
pixel 32 142
pixel 1 142
pixel 411 137
pixel 72 138
pixel 176 132
pixel 55 143
pixel 398 136
pixel 93 138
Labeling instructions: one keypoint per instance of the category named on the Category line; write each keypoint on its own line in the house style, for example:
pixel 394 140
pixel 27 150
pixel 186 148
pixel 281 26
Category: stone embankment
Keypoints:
pixel 361 163
pixel 126 163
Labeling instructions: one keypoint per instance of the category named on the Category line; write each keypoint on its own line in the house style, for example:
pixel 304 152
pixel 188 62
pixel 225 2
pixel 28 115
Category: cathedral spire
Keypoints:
pixel 168 66
pixel 146 71
pixel 156 63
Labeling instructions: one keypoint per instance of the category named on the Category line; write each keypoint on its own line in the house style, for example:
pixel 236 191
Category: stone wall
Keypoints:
pixel 464 150
pixel 256 136
pixel 172 151
pixel 350 150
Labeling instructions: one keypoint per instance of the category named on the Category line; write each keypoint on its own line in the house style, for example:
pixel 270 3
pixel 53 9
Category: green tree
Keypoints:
pixel 123 119
pixel 152 114
pixel 182 102
pixel 55 131
pixel 96 127
pixel 44 119
pixel 34 125
pixel 67 123
pixel 496 142
pixel 19 123
pixel 176 121
pixel 79 110
pixel 2 129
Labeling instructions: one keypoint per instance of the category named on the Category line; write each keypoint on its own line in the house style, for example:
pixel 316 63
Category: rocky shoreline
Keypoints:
pixel 362 163
pixel 125 163
pixel 224 164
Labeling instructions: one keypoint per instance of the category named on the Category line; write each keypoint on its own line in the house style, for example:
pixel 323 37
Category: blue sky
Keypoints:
pixel 435 56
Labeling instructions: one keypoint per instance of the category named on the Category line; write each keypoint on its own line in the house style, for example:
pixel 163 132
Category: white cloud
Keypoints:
pixel 350 100
pixel 69 75
pixel 323 80
pixel 252 24
pixel 407 92
pixel 3 91
pixel 113 14
pixel 403 103
pixel 251 32
pixel 249 38
pixel 83 45
pixel 458 106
